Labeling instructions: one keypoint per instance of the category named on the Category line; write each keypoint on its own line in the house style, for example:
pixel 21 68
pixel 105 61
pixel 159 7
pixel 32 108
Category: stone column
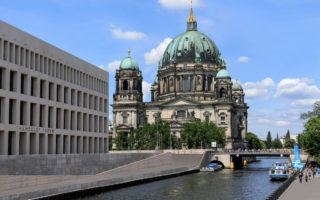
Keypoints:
pixel 103 147
pixel 1 49
pixel 37 143
pixel 96 145
pixel 75 144
pixel 27 143
pixel 17 113
pixel 206 83
pixel 80 145
pixel 60 143
pixel 7 80
pixel 54 146
pixel 86 145
pixel 6 111
pixel 67 146
pixel 46 143
pixel 91 144
pixel 16 143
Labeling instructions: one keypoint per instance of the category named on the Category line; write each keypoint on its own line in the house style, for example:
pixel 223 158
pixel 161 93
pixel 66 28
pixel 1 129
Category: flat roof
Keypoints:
pixel 28 41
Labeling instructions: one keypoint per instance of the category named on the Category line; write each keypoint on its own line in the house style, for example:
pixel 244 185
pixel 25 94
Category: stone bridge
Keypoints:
pixel 236 158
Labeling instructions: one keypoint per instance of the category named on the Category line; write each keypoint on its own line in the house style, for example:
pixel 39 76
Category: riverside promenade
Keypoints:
pixel 44 187
pixel 305 191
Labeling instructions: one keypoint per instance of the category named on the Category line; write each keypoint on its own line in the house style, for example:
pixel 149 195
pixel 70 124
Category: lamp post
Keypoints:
pixel 170 141
pixel 157 147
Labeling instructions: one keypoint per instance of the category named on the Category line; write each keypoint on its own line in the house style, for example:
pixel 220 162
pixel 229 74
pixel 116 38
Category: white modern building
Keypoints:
pixel 51 102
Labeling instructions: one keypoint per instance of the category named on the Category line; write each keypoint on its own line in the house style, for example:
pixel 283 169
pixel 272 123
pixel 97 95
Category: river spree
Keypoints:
pixel 250 183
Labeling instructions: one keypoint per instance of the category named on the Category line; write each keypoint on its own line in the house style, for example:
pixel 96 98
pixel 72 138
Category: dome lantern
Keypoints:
pixel 192 23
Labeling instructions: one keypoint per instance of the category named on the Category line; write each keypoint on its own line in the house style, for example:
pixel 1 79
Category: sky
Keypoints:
pixel 271 46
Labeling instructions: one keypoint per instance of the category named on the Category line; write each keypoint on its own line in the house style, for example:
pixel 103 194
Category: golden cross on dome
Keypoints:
pixel 191 16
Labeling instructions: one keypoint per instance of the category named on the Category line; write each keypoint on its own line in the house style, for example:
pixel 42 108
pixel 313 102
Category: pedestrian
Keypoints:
pixel 309 173
pixel 306 177
pixel 300 176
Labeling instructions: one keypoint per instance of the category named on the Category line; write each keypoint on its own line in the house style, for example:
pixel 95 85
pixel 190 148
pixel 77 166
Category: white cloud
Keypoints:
pixel 179 4
pixel 297 88
pixel 153 56
pixel 126 35
pixel 259 88
pixel 282 123
pixel 243 59
pixel 146 90
pixel 304 102
pixel 263 121
pixel 112 66
pixel 270 121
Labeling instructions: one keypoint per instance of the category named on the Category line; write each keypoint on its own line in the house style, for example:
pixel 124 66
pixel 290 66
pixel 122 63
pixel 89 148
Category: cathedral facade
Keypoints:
pixel 192 83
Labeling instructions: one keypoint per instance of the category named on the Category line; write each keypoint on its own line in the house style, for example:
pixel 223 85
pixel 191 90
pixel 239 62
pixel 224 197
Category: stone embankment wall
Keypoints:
pixel 65 187
pixel 72 164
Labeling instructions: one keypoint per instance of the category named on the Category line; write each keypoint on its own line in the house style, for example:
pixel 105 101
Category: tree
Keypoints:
pixel 269 141
pixel 122 141
pixel 310 138
pixel 314 113
pixel 276 144
pixel 151 135
pixel 288 142
pixel 253 141
pixel 197 134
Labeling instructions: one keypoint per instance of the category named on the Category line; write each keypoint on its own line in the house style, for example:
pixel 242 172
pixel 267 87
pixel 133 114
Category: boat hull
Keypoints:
pixel 278 176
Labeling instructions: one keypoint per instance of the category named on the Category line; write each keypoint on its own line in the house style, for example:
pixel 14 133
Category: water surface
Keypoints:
pixel 250 183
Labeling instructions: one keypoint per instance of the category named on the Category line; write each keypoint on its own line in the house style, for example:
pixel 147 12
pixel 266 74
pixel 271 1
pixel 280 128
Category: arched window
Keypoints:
pixel 125 85
pixel 222 93
pixel 223 119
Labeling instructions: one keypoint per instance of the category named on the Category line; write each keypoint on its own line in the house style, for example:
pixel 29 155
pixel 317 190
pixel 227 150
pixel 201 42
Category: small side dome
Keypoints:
pixel 236 86
pixel 129 63
pixel 223 74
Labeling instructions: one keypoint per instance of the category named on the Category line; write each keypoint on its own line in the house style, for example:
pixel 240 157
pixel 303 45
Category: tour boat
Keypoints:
pixel 211 167
pixel 279 171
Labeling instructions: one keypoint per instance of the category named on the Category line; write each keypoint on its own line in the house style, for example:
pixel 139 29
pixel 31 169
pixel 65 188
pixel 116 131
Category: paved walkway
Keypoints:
pixel 303 191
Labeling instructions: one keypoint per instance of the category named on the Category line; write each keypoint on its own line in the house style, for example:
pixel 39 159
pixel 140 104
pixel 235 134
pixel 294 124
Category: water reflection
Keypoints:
pixel 250 183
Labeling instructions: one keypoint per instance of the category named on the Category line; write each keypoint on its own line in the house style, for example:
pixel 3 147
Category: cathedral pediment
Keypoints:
pixel 181 102
pixel 123 126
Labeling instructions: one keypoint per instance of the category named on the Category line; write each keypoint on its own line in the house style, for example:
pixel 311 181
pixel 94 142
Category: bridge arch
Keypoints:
pixel 217 162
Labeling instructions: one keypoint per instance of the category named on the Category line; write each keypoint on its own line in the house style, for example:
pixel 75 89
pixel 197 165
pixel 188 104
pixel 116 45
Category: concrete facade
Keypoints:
pixel 51 102
pixel 71 164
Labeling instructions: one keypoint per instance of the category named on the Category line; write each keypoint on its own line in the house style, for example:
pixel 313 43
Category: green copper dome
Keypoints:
pixel 223 74
pixel 236 86
pixel 191 46
pixel 129 63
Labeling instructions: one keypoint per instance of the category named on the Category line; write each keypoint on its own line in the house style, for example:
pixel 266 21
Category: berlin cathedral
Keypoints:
pixel 192 82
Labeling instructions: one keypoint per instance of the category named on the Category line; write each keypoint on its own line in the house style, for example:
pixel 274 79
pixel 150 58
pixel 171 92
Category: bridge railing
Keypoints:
pixel 259 151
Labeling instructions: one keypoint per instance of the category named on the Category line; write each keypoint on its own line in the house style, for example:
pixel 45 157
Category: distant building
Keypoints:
pixel 293 137
pixel 51 102
pixel 192 82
